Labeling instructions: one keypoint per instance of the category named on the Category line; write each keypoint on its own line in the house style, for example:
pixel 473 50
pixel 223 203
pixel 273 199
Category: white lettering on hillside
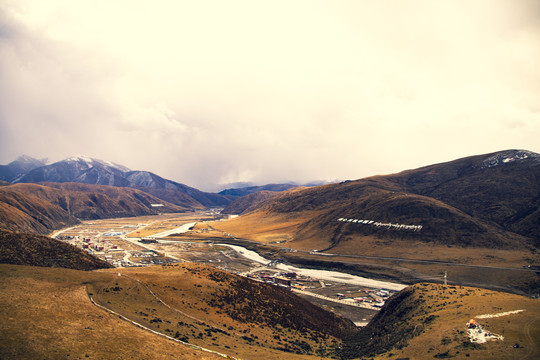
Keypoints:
pixel 389 226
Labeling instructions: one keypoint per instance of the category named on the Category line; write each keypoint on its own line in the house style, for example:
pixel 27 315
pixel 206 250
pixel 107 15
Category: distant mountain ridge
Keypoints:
pixel 82 169
pixel 253 189
pixel 490 201
pixel 41 208
pixel 39 197
pixel 248 202
pixel 17 168
pixel 86 170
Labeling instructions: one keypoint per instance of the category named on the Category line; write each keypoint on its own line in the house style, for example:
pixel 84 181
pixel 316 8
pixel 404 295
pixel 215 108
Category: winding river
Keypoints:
pixel 319 274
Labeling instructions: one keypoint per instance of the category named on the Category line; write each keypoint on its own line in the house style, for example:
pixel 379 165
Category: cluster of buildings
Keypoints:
pixel 108 251
pixel 283 279
pixel 376 298
pixel 101 248
pixel 95 246
pixel 150 257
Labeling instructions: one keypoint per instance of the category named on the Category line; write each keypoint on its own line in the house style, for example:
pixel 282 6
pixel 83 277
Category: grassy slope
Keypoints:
pixel 36 250
pixel 46 313
pixel 97 201
pixel 428 321
pixel 459 203
pixel 237 316
pixel 41 208
pixel 194 303
pixel 26 212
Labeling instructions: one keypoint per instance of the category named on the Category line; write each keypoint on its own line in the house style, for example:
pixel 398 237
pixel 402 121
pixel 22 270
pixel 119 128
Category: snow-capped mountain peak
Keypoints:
pixel 89 162
pixel 509 156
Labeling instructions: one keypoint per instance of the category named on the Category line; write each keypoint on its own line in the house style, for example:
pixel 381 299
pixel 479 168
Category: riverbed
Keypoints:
pixel 319 274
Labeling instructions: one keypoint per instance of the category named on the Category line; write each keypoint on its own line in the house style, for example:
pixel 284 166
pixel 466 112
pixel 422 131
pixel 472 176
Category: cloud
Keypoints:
pixel 208 92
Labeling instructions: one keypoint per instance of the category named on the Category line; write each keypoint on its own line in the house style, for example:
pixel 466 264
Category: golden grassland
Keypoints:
pixel 447 309
pixel 265 228
pixel 194 314
pixel 46 313
pixel 258 227
pixel 262 228
pixel 269 227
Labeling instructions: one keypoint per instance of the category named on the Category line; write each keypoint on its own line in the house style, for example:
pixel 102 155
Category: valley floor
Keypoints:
pixel 132 310
pixel 172 238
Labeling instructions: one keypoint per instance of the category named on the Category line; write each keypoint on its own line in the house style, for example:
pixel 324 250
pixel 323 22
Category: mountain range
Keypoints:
pixel 81 169
pixel 490 201
pixel 86 170
pixel 38 197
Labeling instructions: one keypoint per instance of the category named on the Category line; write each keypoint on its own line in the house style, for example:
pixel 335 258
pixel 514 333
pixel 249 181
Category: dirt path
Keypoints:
pixel 531 341
pixel 104 307
pixel 158 333
pixel 161 301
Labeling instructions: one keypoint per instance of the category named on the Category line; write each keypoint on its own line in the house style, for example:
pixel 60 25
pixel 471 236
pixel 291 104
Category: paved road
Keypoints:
pixel 58 232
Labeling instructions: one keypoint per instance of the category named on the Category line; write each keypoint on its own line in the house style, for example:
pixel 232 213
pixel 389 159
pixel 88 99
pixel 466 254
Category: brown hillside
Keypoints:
pixel 212 308
pixel 192 303
pixel 46 314
pixel 41 208
pixel 500 188
pixel 248 202
pixel 36 250
pixel 429 321
pixel 26 212
pixel 489 201
pixel 102 201
pixel 87 202
pixel 189 302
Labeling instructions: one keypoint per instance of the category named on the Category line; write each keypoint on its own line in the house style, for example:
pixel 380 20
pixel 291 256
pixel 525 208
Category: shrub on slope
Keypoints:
pixel 36 250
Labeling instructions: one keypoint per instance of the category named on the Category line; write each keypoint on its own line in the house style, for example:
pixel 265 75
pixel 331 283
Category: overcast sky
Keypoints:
pixel 214 92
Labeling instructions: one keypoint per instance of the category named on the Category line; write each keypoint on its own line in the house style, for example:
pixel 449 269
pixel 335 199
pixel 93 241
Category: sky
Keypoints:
pixel 216 92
